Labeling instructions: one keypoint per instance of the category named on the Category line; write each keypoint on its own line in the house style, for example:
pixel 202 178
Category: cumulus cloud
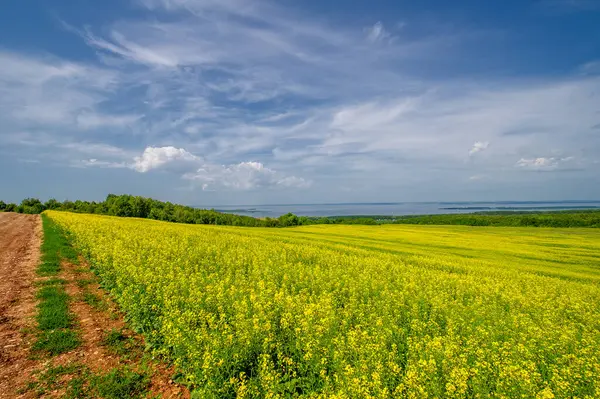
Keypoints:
pixel 240 176
pixel 478 147
pixel 154 157
pixel 543 164
pixel 243 176
pixel 113 157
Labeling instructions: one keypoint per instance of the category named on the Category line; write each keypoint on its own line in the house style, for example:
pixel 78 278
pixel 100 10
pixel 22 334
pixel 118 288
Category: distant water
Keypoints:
pixel 402 208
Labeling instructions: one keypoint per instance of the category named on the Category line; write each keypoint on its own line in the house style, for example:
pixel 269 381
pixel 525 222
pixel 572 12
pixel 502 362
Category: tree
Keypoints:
pixel 303 220
pixel 120 206
pixel 2 205
pixel 289 219
pixel 31 205
pixel 67 205
pixel 52 204
pixel 156 214
pixel 140 207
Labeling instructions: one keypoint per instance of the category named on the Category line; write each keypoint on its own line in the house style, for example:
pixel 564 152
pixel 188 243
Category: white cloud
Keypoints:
pixel 477 177
pixel 479 146
pixel 114 157
pixel 22 69
pixel 96 149
pixel 93 120
pixel 155 157
pixel 237 79
pixel 375 114
pixel 376 32
pixel 544 164
pixel 255 51
pixel 46 91
pixel 590 68
pixel 92 162
pixel 426 131
pixel 119 45
pixel 243 176
pixel 293 181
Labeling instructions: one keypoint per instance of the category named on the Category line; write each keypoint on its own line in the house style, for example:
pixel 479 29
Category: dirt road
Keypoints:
pixel 20 237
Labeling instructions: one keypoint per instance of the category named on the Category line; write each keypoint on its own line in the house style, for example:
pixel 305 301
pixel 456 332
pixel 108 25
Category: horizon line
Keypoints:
pixel 213 206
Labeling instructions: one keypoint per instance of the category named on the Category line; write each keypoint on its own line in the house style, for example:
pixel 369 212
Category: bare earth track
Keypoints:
pixel 20 238
pixel 20 241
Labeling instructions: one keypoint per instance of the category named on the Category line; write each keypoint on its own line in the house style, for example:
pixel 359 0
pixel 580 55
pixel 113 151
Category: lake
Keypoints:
pixel 402 208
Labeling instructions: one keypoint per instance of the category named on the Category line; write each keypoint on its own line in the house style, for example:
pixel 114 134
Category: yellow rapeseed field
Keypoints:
pixel 358 311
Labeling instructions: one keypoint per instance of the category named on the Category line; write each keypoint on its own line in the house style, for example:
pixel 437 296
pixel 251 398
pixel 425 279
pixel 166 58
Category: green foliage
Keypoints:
pixel 93 300
pixel 53 309
pixel 2 205
pixel 53 317
pixel 550 219
pixel 49 379
pixel 54 247
pixel 119 384
pixel 120 344
pixel 52 204
pixel 114 338
pixel 56 334
pixel 82 283
pixel 354 220
pixel 148 208
pixel 80 382
pixel 140 207
pixel 31 206
pixel 55 342
pixel 289 219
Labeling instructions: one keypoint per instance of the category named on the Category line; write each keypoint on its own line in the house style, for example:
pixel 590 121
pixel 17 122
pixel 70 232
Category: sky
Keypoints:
pixel 219 102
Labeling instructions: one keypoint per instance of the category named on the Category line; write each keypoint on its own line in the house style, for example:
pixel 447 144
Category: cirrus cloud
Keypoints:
pixel 197 88
pixel 545 164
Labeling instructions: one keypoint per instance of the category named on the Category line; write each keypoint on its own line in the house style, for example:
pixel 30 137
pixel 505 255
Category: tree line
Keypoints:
pixel 581 218
pixel 141 207
pixel 148 208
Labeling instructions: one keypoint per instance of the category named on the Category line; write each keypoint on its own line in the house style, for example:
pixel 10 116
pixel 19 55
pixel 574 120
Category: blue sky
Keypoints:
pixel 210 102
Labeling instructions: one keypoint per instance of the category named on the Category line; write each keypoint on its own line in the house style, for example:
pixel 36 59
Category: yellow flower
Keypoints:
pixel 334 311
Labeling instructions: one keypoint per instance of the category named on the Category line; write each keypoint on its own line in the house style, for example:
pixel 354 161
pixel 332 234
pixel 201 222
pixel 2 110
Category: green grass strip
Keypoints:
pixel 54 320
pixel 120 383
pixel 55 342
pixel 94 301
pixel 53 309
pixel 54 248
pixel 80 382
